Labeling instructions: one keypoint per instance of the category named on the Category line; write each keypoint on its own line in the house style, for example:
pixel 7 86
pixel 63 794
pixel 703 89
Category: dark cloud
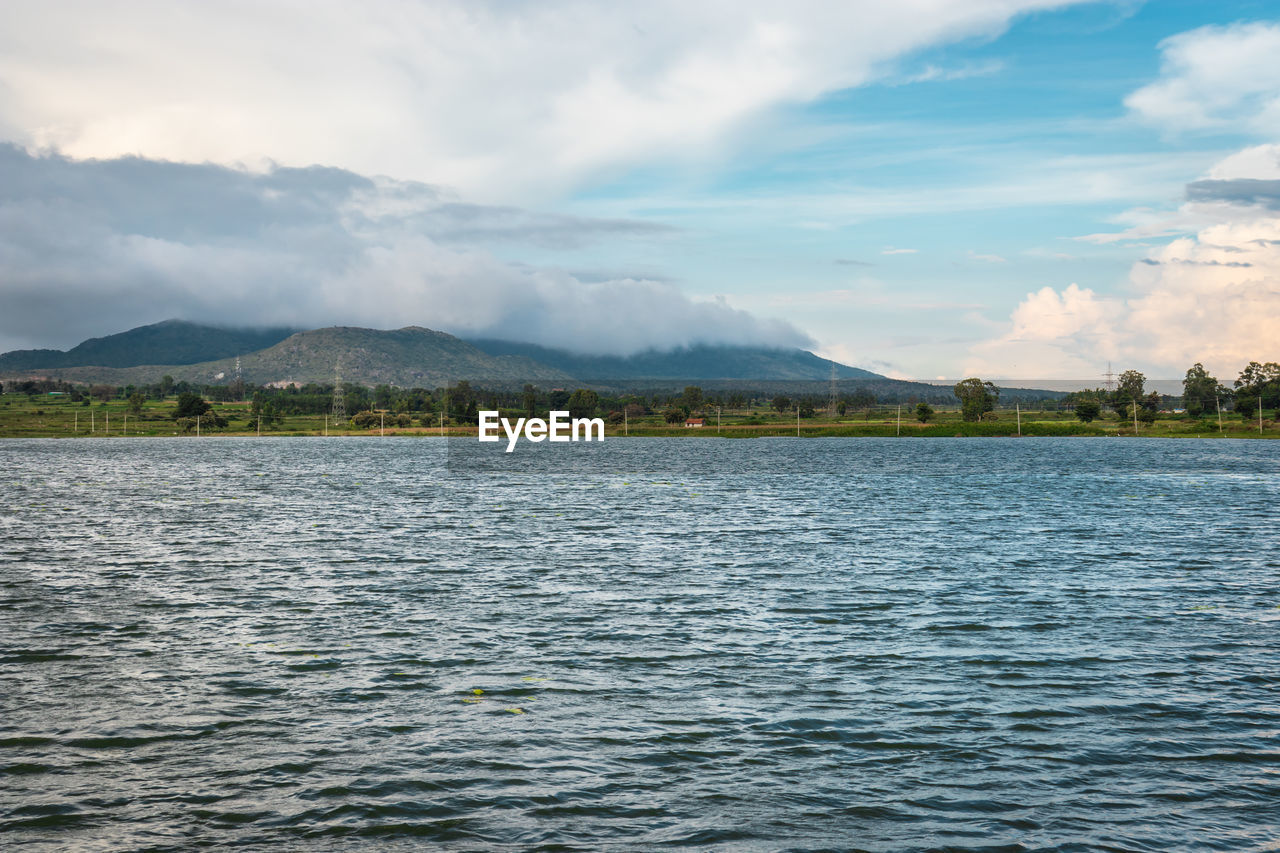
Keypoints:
pixel 1250 191
pixel 93 247
pixel 1152 262
pixel 477 224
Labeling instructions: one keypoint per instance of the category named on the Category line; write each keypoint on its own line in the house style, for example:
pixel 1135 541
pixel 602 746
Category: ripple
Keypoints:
pixel 756 646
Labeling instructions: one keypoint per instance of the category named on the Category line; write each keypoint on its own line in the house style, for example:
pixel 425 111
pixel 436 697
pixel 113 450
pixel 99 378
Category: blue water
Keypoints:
pixel 774 644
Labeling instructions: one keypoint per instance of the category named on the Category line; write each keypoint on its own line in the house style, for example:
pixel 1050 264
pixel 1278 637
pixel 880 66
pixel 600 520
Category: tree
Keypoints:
pixel 583 403
pixel 1087 409
pixel 1257 382
pixel 672 415
pixel 1147 408
pixel 166 385
pixel 1199 389
pixel 924 412
pixel 462 403
pixel 841 408
pixel 692 397
pixel 862 399
pixel 529 399
pixel 781 403
pixel 190 406
pixel 1129 388
pixel 135 403
pixel 976 397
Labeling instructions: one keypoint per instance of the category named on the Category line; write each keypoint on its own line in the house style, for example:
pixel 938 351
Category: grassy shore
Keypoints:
pixel 23 416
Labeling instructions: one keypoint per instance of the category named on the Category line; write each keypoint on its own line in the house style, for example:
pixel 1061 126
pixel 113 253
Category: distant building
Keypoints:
pixel 695 422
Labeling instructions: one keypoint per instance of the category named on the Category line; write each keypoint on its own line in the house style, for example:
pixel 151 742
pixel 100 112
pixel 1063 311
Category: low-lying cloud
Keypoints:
pixel 93 247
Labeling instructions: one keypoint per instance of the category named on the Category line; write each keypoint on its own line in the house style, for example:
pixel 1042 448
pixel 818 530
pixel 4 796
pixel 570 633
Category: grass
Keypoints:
pixel 42 416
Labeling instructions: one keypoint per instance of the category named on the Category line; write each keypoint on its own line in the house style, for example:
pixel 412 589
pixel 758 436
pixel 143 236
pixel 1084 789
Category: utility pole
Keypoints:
pixel 899 420
pixel 1017 407
pixel 1135 415
pixel 1109 376
pixel 717 420
pixel 797 420
pixel 76 428
pixel 197 426
pixel 1259 413
pixel 1218 402
pixel 626 425
pixel 326 426
pixel 106 430
pixel 259 426
pixel 382 425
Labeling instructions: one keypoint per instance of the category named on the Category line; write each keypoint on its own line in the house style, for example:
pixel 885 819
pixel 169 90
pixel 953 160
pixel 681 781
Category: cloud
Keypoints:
pixel 92 247
pixel 1237 191
pixel 850 262
pixel 1212 298
pixel 889 250
pixel 1209 296
pixel 986 259
pixel 1216 77
pixel 1239 188
pixel 502 100
pixel 935 73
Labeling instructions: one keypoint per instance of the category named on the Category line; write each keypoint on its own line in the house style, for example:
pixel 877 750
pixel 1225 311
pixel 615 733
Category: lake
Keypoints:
pixel 774 644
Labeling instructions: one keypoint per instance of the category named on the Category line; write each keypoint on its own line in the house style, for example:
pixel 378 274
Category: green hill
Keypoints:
pixel 168 342
pixel 408 357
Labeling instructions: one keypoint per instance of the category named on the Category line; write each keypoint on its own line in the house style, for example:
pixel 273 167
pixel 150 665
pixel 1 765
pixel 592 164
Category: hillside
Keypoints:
pixel 408 357
pixel 695 363
pixel 168 342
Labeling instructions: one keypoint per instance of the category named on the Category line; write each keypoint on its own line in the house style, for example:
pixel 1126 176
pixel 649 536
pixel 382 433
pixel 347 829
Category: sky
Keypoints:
pixel 1001 188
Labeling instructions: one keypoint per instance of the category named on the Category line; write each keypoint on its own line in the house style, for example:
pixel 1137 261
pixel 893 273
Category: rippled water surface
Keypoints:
pixel 718 645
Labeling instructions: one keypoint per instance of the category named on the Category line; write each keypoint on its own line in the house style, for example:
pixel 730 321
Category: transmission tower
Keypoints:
pixel 1109 377
pixel 833 402
pixel 339 401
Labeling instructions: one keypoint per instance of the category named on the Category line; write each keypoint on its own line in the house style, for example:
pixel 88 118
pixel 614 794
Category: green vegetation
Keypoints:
pixel 52 408
pixel 976 398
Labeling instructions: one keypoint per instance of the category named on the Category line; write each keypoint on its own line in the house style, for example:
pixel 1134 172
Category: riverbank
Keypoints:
pixel 24 416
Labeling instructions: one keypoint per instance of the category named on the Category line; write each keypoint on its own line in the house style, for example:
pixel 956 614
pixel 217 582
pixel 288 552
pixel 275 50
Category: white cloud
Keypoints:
pixel 1216 77
pixel 890 250
pixel 496 98
pixel 935 73
pixel 986 259
pixel 89 248
pixel 1213 297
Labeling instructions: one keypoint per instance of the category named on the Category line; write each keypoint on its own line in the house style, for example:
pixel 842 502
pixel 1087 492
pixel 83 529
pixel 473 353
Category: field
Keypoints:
pixel 52 416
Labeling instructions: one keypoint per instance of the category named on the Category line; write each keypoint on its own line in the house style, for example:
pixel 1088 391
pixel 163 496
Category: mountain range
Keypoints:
pixel 408 357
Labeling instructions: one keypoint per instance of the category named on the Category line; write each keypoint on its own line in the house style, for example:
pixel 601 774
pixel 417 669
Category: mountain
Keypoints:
pixel 699 362
pixel 419 357
pixel 408 357
pixel 169 342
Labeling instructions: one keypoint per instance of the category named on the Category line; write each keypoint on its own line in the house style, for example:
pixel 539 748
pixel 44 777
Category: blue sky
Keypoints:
pixel 929 190
pixel 986 159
